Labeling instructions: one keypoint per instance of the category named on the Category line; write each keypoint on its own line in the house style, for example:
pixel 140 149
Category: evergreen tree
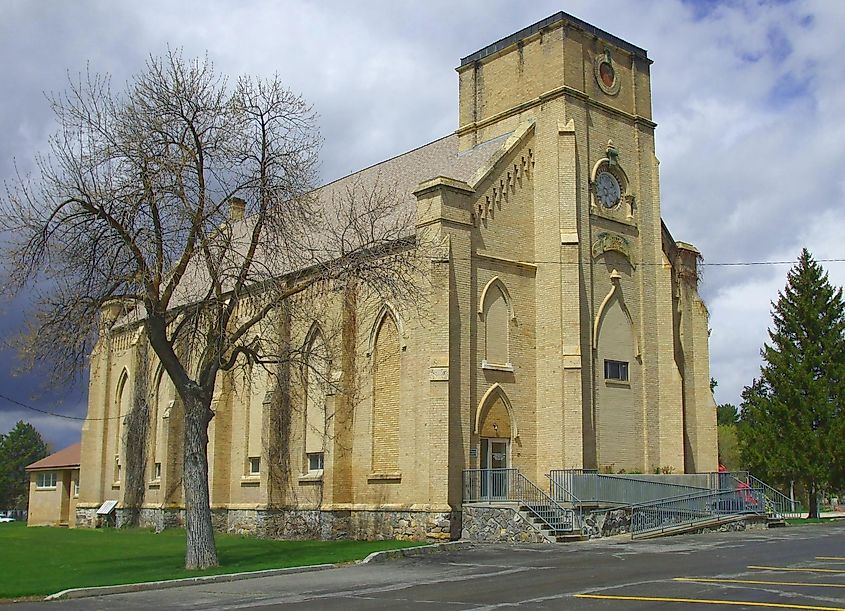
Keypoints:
pixel 20 447
pixel 792 425
pixel 727 414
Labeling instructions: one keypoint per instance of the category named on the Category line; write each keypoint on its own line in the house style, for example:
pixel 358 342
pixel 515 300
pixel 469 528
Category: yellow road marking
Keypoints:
pixel 754 582
pixel 787 568
pixel 830 558
pixel 705 601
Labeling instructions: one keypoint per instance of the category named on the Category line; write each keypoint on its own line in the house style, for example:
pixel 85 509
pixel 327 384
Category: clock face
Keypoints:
pixel 608 191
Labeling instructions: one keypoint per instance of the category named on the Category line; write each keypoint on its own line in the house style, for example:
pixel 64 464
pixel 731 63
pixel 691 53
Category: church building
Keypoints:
pixel 564 328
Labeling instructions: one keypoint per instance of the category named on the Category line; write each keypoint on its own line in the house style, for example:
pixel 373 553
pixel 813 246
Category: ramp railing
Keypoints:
pixel 586 487
pixel 777 503
pixel 690 510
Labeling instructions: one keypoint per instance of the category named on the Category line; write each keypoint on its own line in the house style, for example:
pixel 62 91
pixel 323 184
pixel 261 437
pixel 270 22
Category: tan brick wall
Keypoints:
pixel 404 402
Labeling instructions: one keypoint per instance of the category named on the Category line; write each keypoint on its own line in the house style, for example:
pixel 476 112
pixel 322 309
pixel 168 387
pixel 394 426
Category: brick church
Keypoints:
pixel 564 327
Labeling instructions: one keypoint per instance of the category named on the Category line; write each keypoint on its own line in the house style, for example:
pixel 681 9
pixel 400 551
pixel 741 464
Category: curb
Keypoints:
pixel 410 552
pixel 187 581
pixel 375 557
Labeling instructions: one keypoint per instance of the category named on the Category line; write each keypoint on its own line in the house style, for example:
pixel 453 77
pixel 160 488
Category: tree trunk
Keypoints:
pixel 201 550
pixel 814 501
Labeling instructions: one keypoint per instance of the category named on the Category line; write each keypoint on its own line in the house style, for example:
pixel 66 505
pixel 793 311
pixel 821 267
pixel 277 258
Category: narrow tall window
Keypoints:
pixel 316 379
pixel 255 387
pixel 164 401
pixel 122 406
pixel 497 317
pixel 386 376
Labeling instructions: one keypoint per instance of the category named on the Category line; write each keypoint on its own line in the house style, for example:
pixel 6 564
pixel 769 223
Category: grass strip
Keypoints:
pixel 42 561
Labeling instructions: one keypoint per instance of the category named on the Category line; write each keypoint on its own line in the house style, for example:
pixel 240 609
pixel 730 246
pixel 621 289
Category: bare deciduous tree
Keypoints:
pixel 189 201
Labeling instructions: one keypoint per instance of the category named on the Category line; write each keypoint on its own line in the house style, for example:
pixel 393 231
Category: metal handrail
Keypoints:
pixel 778 504
pixel 559 491
pixel 534 499
pixel 583 487
pixel 484 485
pixel 781 505
pixel 692 509
pixel 509 485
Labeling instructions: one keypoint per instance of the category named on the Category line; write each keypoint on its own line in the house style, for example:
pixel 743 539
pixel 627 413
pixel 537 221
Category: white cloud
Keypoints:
pixel 748 98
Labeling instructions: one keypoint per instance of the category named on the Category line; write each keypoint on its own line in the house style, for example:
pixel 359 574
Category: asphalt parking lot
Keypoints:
pixel 788 568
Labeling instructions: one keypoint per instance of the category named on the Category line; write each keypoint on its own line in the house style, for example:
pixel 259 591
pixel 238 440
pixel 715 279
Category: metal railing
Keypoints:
pixel 562 484
pixel 778 505
pixel 485 485
pixel 689 510
pixel 509 485
pixel 585 487
pixel 545 508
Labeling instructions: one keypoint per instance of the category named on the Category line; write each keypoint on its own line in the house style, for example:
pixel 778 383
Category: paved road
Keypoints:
pixel 807 572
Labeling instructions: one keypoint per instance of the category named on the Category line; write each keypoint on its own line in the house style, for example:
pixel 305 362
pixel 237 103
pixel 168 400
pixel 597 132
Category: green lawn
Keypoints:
pixel 41 561
pixel 797 521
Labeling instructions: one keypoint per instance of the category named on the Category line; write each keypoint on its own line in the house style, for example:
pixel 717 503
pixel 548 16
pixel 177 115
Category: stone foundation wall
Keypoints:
pixel 498 525
pixel 606 523
pixel 414 525
pixel 750 523
pixel 300 523
pixel 86 517
pixel 154 519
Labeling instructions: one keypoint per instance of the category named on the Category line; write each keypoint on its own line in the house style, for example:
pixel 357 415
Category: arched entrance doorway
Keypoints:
pixel 495 429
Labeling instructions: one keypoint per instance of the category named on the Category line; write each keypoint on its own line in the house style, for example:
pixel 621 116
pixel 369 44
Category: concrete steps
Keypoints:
pixel 556 527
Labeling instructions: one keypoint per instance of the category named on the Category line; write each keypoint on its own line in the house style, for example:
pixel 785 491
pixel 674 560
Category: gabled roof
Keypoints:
pixel 63 459
pixel 400 175
pixel 405 172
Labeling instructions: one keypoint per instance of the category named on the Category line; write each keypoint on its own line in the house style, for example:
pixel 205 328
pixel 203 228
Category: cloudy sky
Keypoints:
pixel 748 97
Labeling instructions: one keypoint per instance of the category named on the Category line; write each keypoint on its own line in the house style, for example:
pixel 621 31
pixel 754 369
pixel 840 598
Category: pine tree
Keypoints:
pixel 20 447
pixel 792 425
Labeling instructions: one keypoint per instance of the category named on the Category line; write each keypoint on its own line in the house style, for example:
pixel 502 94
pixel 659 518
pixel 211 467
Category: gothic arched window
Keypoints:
pixel 316 380
pixel 386 376
pixel 496 316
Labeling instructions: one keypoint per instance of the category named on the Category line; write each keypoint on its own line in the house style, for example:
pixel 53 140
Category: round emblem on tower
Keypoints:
pixel 605 72
pixel 608 191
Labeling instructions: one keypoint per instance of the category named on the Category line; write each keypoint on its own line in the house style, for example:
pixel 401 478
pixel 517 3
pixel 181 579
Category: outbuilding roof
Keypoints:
pixel 63 459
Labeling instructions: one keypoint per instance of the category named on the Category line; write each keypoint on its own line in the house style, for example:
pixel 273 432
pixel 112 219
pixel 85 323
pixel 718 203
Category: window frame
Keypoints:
pixel 39 480
pixel 623 370
pixel 492 292
pixel 253 466
pixel 320 461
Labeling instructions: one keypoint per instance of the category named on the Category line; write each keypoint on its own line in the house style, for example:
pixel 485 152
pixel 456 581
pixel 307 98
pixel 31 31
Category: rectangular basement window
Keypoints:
pixel 46 479
pixel 254 465
pixel 315 461
pixel 616 370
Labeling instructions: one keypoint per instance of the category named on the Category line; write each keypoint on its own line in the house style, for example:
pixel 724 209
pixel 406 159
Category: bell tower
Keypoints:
pixel 610 391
